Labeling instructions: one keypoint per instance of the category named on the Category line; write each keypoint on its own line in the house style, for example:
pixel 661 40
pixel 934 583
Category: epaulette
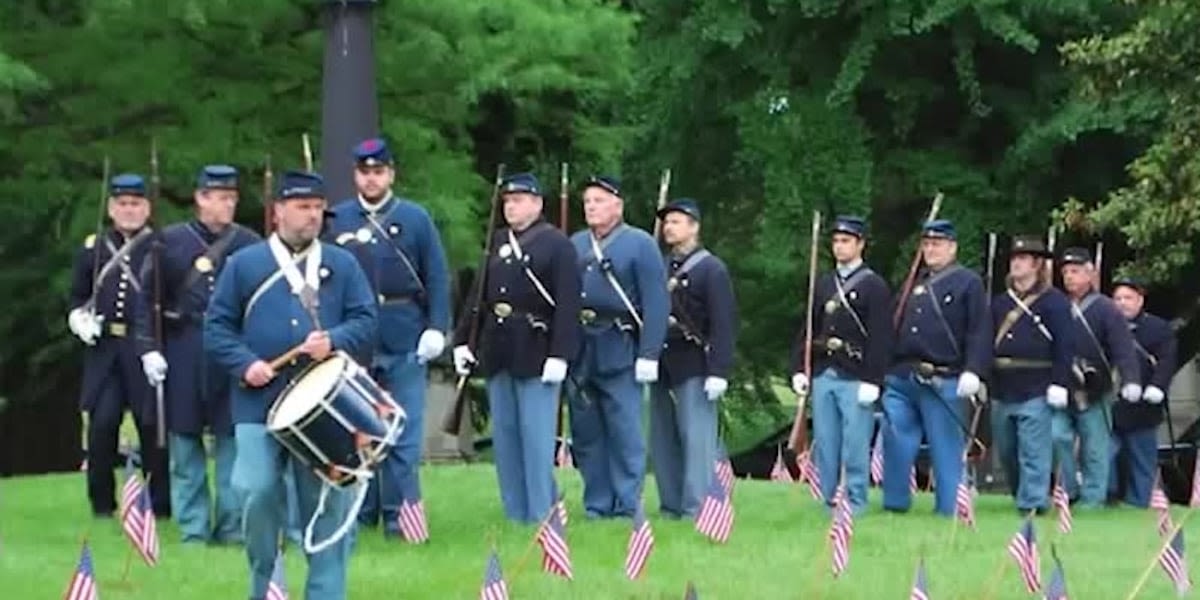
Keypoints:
pixel 89 242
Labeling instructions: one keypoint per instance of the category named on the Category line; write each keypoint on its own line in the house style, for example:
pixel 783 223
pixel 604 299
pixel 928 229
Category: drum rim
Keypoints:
pixel 291 385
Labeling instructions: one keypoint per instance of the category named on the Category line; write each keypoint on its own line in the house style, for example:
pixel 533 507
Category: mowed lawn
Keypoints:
pixel 778 549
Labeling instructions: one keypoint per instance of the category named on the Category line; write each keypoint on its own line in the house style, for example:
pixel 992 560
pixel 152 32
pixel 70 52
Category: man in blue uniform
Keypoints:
pixel 104 285
pixel 1103 351
pixel 1135 424
pixel 942 349
pixel 624 317
pixel 270 297
pixel 529 332
pixel 851 343
pixel 197 393
pixel 1033 341
pixel 695 364
pixel 399 248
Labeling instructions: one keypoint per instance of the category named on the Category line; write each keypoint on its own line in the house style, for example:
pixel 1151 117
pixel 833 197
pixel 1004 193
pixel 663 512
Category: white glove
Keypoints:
pixel 554 370
pixel 155 367
pixel 715 387
pixel 968 384
pixel 1153 394
pixel 800 384
pixel 1131 392
pixel 867 393
pixel 85 325
pixel 645 371
pixel 463 359
pixel 1056 396
pixel 430 345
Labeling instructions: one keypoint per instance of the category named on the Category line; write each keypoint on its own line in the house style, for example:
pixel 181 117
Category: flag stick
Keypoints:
pixel 998 572
pixel 1154 561
pixel 129 551
pixel 532 543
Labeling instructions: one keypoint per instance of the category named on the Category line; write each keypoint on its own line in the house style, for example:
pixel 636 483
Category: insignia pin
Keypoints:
pixel 393 229
pixel 917 291
pixel 203 264
pixel 505 251
pixel 852 295
pixel 830 307
pixel 363 235
pixel 323 272
pixel 672 283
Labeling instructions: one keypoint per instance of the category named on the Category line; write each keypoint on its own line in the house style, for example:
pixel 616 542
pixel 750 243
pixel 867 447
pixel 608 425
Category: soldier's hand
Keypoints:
pixel 868 393
pixel 259 374
pixel 714 387
pixel 1153 394
pixel 645 371
pixel 430 345
pixel 968 384
pixel 800 384
pixel 155 367
pixel 84 325
pixel 463 359
pixel 554 370
pixel 1131 392
pixel 1056 396
pixel 317 345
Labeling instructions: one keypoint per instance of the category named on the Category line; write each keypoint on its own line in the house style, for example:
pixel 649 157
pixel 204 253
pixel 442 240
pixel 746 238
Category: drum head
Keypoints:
pixel 307 391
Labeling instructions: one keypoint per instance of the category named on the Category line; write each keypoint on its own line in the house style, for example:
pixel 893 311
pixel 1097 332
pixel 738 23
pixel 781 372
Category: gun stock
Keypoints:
pixel 453 421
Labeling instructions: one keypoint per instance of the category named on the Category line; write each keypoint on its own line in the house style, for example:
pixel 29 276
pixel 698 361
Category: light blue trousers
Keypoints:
pixel 258 479
pixel 523 422
pixel 914 409
pixel 610 451
pixel 190 497
pixel 683 445
pixel 1138 450
pixel 1092 427
pixel 398 477
pixel 842 431
pixel 1021 439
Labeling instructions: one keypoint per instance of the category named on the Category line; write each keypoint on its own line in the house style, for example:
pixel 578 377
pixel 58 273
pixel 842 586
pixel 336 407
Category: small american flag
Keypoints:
pixel 1194 501
pixel 560 503
pixel 877 460
pixel 562 458
pixel 1159 502
pixel 920 589
pixel 411 519
pixel 494 587
pixel 809 475
pixel 556 555
pixel 132 489
pixel 779 471
pixel 1174 563
pixel 1062 505
pixel 964 500
pixel 141 528
pixel 277 586
pixel 841 531
pixel 1057 588
pixel 83 582
pixel 1023 549
pixel 715 518
pixel 641 542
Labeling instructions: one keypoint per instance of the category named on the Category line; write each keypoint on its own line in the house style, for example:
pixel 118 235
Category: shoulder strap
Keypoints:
pixel 514 242
pixel 214 256
pixel 598 253
pixel 1078 310
pixel 692 261
pixel 937 307
pixel 842 288
pixel 395 245
pixel 1020 307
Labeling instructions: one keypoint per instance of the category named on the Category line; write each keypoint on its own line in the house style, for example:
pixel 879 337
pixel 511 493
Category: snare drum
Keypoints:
pixel 337 420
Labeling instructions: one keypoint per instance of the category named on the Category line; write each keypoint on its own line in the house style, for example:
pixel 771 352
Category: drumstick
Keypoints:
pixel 283 359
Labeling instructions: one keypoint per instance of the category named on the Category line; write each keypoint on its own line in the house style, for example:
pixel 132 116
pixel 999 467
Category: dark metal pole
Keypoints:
pixel 349 106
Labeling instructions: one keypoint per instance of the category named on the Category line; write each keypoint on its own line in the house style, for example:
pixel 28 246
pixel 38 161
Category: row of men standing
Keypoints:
pixel 1054 362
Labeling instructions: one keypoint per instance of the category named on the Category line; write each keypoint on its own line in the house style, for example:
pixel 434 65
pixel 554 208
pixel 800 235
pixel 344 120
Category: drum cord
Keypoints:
pixel 351 516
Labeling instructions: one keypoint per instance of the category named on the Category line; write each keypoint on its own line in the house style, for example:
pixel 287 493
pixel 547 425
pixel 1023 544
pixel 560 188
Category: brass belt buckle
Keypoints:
pixel 116 329
pixel 502 310
pixel 926 370
pixel 587 316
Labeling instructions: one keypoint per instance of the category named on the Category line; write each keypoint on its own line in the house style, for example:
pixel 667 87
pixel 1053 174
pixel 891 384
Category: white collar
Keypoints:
pixel 373 208
pixel 287 263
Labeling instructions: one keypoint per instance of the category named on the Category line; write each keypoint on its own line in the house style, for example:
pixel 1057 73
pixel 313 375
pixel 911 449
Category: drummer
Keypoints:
pixel 290 291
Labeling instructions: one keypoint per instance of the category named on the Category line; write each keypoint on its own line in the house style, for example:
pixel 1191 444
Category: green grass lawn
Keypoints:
pixel 777 550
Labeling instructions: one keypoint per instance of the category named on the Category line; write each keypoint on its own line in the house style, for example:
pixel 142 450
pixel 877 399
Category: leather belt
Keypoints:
pixel 834 344
pixel 1008 362
pixel 687 334
pixel 504 310
pixel 590 316
pixel 927 369
pixel 384 299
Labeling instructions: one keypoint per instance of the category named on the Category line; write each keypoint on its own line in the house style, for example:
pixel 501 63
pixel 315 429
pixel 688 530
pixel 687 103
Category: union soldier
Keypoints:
pixel 103 290
pixel 1033 341
pixel 197 393
pixel 529 332
pixel 850 357
pixel 1135 425
pixel 270 297
pixel 694 366
pixel 624 318
pixel 398 246
pixel 941 352
pixel 1103 350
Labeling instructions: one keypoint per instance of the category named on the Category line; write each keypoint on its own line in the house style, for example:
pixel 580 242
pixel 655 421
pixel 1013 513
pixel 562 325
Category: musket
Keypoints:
pixel 798 438
pixel 911 279
pixel 450 424
pixel 991 263
pixel 563 197
pixel 160 409
pixel 664 184
pixel 268 183
pixel 1098 281
pixel 1052 247
pixel 308 159
pixel 91 302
